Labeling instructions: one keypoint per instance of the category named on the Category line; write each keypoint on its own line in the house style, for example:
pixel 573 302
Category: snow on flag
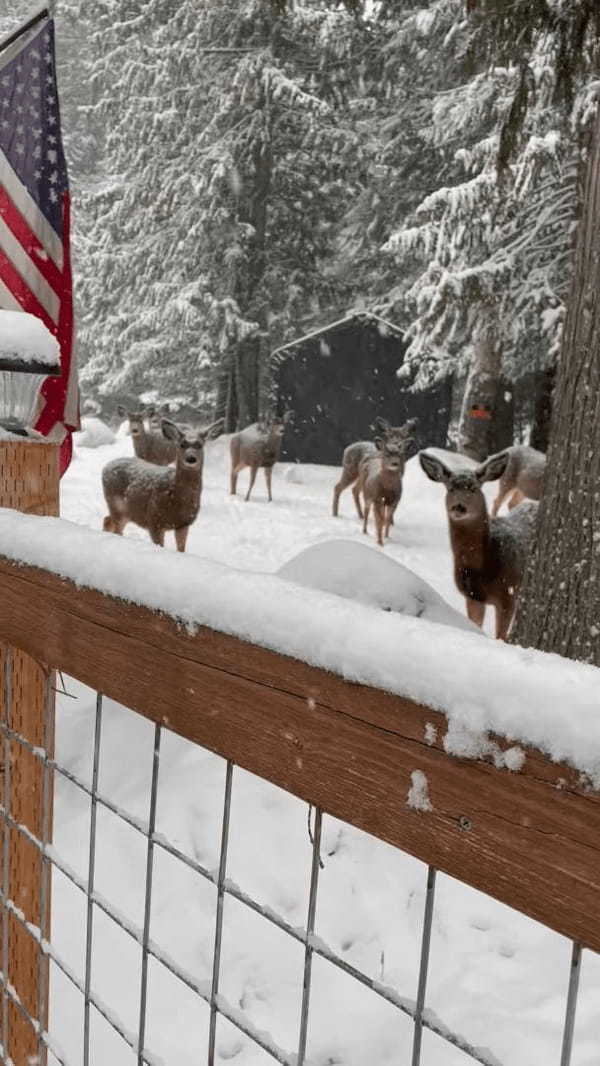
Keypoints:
pixel 35 267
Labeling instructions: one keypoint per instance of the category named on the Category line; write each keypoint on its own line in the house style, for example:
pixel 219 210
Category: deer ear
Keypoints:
pixel 434 468
pixel 378 442
pixel 493 468
pixel 121 411
pixel 213 431
pixel 381 425
pixel 170 430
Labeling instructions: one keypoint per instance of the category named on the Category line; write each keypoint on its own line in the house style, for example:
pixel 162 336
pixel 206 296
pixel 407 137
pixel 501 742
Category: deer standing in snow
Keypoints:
pixel 380 481
pixel 523 477
pixel 361 449
pixel 257 446
pixel 147 444
pixel 158 498
pixel 489 554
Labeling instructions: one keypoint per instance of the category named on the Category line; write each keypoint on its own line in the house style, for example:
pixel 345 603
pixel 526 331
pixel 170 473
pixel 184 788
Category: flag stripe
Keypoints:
pixel 30 242
pixel 30 211
pixel 29 272
pixel 7 300
pixel 22 292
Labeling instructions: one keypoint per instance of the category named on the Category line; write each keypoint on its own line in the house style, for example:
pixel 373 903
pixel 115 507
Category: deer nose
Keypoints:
pixel 191 459
pixel 458 509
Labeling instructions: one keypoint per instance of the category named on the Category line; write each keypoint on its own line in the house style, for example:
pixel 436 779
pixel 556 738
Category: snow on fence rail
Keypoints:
pixel 506 820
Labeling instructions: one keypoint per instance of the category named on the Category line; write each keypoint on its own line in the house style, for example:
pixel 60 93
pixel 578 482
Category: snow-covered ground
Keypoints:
pixel 495 976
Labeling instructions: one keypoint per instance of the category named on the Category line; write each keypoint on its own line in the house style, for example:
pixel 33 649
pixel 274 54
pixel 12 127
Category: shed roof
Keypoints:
pixel 352 316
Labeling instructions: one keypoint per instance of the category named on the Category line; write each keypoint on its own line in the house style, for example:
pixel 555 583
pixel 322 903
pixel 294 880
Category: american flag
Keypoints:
pixel 35 267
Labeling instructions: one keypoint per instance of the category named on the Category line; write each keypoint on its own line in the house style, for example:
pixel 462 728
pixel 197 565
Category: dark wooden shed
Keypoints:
pixel 337 379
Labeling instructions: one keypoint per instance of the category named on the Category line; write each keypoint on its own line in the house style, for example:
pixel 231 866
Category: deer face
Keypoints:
pixel 275 427
pixel 465 501
pixel 190 443
pixel 136 420
pixel 392 454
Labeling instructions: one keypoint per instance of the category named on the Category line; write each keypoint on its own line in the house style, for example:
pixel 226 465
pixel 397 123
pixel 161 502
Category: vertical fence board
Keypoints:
pixel 29 482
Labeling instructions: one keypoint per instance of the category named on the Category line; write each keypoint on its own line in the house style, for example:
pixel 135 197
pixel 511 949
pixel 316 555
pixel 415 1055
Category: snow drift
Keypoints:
pixel 358 572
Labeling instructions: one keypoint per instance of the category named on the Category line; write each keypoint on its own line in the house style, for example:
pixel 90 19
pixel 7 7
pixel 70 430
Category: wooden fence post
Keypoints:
pixel 29 482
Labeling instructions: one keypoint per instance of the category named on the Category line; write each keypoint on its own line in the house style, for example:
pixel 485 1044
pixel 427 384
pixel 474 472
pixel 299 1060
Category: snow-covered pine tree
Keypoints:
pixel 559 604
pixel 279 175
pixel 223 176
pixel 494 241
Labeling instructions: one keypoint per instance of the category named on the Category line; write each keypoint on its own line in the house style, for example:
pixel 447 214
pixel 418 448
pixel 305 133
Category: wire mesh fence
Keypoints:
pixel 411 1003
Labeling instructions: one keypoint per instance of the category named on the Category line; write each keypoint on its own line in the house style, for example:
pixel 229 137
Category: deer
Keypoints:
pixel 155 417
pixel 147 444
pixel 361 449
pixel 159 498
pixel 489 554
pixel 256 446
pixel 522 479
pixel 380 481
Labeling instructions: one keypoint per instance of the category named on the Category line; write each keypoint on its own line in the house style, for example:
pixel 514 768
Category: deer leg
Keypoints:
pixel 236 468
pixel 181 536
pixel 475 611
pixel 503 492
pixel 158 536
pixel 114 524
pixel 268 477
pixel 342 484
pixel 504 617
pixel 516 498
pixel 366 514
pixel 379 511
pixel 356 494
pixel 253 472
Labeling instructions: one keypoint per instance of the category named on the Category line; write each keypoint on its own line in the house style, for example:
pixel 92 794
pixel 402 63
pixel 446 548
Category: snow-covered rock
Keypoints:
pixel 94 434
pixel 359 572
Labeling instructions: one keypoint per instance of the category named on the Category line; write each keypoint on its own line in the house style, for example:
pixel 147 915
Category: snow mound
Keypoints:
pixel 359 572
pixel 24 337
pixel 94 433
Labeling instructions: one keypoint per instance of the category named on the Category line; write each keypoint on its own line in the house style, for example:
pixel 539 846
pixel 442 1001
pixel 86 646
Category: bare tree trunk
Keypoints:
pixel 559 606
pixel 540 430
pixel 475 430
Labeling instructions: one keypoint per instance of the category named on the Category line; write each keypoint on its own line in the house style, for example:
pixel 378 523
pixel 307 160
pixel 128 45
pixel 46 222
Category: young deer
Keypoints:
pixel 155 417
pixel 489 554
pixel 147 444
pixel 522 478
pixel 380 481
pixel 361 449
pixel 257 446
pixel 154 497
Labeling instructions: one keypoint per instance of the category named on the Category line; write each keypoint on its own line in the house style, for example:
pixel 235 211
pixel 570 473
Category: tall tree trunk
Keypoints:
pixel 475 430
pixel 559 605
pixel 542 415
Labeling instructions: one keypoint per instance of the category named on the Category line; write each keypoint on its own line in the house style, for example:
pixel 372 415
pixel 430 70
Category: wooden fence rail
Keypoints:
pixel 530 839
